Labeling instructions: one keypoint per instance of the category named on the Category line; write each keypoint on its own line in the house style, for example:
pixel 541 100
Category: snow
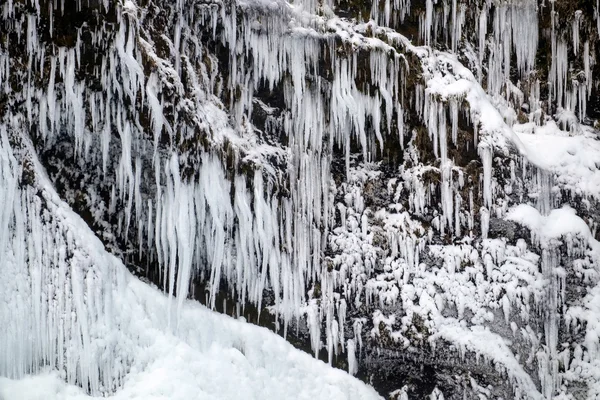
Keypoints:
pixel 559 223
pixel 210 357
pixel 472 282
pixel 572 157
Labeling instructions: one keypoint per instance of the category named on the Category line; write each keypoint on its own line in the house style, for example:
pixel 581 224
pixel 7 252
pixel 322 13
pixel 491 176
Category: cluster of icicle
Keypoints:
pixel 319 114
pixel 57 288
pixel 206 227
pixel 556 362
pixel 515 31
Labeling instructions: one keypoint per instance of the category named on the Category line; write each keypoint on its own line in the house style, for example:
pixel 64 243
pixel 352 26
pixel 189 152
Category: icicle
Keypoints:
pixel 483 18
pixel 458 20
pixel 426 24
pixel 544 179
pixel 587 67
pixel 454 119
pixel 485 153
pixel 576 25
pixel 352 362
pixel 558 71
pixel 524 21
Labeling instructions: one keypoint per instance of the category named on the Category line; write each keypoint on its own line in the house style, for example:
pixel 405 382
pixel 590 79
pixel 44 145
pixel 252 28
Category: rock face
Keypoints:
pixel 408 190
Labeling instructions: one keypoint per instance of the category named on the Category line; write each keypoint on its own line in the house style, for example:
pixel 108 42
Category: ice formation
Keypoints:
pixel 75 310
pixel 201 192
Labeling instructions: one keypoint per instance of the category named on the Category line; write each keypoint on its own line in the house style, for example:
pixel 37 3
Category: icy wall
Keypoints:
pixel 410 189
pixel 76 321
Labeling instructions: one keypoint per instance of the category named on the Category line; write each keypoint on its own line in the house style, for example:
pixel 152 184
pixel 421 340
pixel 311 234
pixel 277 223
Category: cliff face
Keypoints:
pixel 408 190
